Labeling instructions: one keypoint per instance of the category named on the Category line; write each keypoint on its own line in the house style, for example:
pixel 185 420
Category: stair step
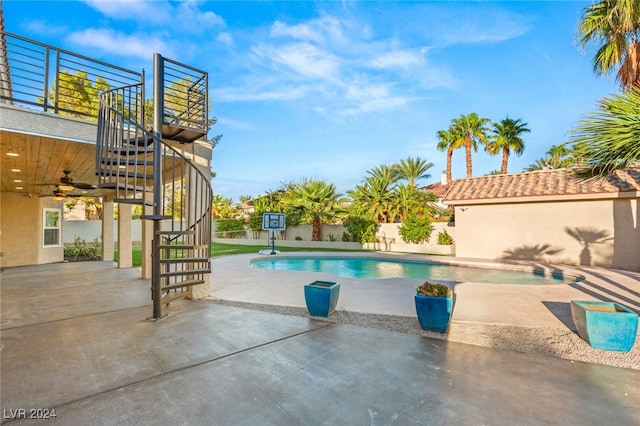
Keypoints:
pixel 129 151
pixel 124 187
pixel 139 141
pixel 186 260
pixel 175 233
pixel 182 284
pixel 183 247
pixel 133 201
pixel 119 161
pixel 185 272
pixel 155 217
pixel 124 173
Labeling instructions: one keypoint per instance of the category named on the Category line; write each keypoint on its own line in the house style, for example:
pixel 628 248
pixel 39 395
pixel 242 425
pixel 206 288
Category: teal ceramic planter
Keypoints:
pixel 434 312
pixel 321 297
pixel 605 325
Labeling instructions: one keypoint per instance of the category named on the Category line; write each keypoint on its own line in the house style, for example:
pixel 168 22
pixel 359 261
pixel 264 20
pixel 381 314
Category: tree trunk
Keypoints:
pixel 449 158
pixel 505 160
pixel 315 229
pixel 467 150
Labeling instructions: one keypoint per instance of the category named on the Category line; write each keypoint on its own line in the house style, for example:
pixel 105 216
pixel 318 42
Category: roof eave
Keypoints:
pixel 545 198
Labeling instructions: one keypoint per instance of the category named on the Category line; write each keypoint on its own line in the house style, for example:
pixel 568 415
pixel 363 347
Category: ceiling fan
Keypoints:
pixel 67 183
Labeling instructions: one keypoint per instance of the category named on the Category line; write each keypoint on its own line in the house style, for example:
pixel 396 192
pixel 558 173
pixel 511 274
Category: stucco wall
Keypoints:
pixel 21 224
pixel 597 232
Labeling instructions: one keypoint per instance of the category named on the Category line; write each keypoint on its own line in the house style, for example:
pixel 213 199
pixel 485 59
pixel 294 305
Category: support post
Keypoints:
pixel 158 102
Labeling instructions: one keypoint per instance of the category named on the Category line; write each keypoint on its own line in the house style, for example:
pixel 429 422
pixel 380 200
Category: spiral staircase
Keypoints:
pixel 149 164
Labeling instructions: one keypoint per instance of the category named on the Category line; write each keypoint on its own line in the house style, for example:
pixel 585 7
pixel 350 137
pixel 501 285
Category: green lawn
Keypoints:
pixel 218 249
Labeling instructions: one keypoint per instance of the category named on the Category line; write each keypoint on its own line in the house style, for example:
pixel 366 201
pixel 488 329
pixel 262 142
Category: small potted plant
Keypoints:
pixel 433 306
pixel 321 297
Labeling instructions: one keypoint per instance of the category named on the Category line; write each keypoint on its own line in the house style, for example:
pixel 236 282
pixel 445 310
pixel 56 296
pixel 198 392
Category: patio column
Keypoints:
pixel 124 236
pixel 107 230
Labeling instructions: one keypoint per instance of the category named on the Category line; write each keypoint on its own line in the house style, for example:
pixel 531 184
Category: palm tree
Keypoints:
pixel 413 169
pixel 318 202
pixel 471 129
pixel 449 141
pixel 616 25
pixel 375 198
pixel 506 138
pixel 609 139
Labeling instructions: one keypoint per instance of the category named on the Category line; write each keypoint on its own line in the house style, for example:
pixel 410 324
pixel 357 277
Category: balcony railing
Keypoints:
pixel 40 77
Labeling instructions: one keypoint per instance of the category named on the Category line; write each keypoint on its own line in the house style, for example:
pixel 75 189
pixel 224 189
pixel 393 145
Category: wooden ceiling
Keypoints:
pixel 33 165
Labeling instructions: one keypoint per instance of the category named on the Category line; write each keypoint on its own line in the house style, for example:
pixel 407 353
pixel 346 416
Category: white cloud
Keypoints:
pixel 120 44
pixel 492 26
pixel 42 27
pixel 188 12
pixel 336 65
pixel 225 38
pixel 154 12
pixel 326 29
pixel 260 92
pixel 186 16
pixel 398 59
pixel 304 59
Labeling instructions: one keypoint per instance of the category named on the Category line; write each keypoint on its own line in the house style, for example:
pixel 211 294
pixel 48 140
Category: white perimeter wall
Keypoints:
pixel 387 236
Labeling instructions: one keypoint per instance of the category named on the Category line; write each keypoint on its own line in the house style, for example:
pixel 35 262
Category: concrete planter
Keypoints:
pixel 605 325
pixel 321 297
pixel 434 312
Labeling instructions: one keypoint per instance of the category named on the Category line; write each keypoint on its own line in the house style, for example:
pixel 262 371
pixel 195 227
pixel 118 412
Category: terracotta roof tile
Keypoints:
pixel 556 182
pixel 437 188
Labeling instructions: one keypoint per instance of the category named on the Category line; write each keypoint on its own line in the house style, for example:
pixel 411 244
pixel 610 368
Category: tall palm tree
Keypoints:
pixel 506 138
pixel 471 129
pixel 615 24
pixel 609 139
pixel 318 202
pixel 413 169
pixel 449 141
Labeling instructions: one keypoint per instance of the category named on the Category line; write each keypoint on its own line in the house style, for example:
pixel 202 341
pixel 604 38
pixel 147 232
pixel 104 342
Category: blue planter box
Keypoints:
pixel 434 313
pixel 321 297
pixel 605 325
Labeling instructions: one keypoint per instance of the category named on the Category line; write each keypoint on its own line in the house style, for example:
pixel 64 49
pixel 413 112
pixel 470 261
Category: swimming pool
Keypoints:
pixel 360 267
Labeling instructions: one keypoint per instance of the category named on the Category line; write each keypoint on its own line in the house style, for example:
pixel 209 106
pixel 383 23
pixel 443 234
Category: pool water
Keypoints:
pixel 356 267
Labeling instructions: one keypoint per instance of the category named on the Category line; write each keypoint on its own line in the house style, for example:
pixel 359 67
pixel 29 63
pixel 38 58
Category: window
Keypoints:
pixel 51 227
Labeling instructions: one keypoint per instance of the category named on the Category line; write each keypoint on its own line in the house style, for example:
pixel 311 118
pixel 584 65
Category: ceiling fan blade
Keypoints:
pixel 81 185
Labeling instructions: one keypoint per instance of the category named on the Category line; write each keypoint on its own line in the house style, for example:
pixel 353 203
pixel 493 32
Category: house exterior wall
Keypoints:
pixel 553 231
pixel 21 230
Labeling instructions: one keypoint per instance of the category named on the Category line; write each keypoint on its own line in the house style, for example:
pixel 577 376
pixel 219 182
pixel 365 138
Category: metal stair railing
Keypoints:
pixel 180 193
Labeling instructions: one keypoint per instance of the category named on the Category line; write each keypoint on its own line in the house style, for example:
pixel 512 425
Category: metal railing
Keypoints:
pixel 40 77
pixel 185 96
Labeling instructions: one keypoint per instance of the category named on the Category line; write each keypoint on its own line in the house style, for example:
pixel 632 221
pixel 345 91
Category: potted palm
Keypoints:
pixel 321 297
pixel 433 306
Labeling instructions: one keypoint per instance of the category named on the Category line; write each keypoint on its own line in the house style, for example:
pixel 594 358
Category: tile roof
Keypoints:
pixel 437 188
pixel 541 183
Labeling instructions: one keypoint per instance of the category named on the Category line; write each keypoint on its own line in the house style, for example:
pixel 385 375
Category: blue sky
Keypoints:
pixel 332 89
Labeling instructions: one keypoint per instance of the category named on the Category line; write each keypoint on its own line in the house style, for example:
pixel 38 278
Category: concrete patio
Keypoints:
pixel 75 340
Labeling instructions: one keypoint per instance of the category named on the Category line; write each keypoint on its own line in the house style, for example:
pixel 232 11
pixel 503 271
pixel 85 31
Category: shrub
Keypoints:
pixel 415 230
pixel 444 239
pixel 361 229
pixel 230 228
pixel 80 249
pixel 430 289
